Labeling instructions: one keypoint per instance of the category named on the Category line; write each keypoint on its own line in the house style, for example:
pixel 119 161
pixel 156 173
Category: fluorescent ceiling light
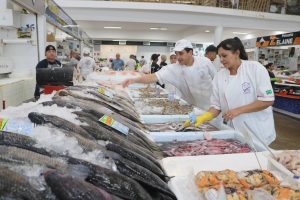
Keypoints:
pixel 113 27
pixel 119 40
pixel 240 33
pixel 71 25
pixel 158 28
pixel 207 31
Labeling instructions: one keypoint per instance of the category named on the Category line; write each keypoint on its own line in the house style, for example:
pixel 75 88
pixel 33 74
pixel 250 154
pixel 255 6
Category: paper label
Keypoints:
pixel 18 126
pixel 3 122
pixel 114 124
pixel 105 92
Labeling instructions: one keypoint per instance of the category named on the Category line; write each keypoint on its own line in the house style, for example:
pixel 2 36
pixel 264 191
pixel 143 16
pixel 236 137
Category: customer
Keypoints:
pixel 49 62
pixel 87 64
pixel 163 61
pixel 143 61
pixel 117 64
pixel 131 63
pixel 192 76
pixel 242 92
pixel 270 68
pixel 154 66
pixel 73 57
pixel 173 58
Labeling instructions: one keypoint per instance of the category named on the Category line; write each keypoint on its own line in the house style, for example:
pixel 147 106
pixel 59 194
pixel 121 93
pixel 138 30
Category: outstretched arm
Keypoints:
pixel 146 79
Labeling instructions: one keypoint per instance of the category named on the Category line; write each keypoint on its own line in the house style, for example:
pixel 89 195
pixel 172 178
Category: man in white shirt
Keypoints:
pixel 87 64
pixel 192 76
pixel 131 63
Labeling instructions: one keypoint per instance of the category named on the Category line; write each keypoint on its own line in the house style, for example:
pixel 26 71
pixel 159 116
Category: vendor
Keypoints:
pixel 87 64
pixel 49 62
pixel 192 76
pixel 270 68
pixel 242 92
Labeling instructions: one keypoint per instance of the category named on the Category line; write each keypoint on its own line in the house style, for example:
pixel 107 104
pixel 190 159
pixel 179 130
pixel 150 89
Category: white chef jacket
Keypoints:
pixel 194 82
pixel 130 65
pixel 251 83
pixel 86 66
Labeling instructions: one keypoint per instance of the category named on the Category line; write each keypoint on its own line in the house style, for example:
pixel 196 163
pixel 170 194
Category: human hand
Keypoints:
pixel 229 115
pixel 187 123
pixel 127 82
pixel 207 116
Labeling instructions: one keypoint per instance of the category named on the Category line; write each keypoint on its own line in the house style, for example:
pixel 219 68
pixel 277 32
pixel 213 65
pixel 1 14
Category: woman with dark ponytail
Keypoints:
pixel 242 92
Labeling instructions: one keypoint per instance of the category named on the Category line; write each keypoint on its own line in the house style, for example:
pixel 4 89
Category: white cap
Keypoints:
pixel 86 51
pixel 173 53
pixel 182 44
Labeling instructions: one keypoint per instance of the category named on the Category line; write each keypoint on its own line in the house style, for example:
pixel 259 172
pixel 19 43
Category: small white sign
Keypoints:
pixel 6 65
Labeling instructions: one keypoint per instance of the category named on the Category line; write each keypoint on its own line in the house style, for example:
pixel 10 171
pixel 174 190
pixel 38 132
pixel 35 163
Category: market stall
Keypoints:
pixel 283 50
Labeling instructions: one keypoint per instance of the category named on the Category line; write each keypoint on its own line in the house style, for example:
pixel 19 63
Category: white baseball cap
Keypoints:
pixel 173 53
pixel 182 44
pixel 86 51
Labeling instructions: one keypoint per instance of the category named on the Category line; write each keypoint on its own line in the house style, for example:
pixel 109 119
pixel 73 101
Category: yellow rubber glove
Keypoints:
pixel 187 123
pixel 207 116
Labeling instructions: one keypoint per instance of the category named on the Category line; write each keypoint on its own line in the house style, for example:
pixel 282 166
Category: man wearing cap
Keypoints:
pixel 49 62
pixel 192 76
pixel 86 64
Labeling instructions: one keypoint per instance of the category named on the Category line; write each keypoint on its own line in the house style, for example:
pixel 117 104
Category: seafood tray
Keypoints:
pixel 178 127
pixel 203 147
pixel 169 137
pixel 167 107
pixel 184 170
pixel 159 119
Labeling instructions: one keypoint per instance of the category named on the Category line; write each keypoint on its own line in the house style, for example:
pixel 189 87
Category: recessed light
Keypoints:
pixel 159 28
pixel 113 27
pixel 154 28
pixel 240 33
pixel 207 31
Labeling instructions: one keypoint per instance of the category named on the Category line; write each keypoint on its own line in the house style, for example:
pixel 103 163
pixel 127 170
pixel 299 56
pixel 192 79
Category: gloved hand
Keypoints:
pixel 187 123
pixel 207 116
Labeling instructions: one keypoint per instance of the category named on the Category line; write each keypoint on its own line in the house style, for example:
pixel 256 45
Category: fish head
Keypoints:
pixel 36 118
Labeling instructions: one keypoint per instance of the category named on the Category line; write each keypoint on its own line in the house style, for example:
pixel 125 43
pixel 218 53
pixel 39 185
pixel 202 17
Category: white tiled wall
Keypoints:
pixel 15 92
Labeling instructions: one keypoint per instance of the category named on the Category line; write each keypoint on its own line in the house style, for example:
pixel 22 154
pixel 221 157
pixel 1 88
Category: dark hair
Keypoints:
pixel 211 48
pixel 234 44
pixel 268 65
pixel 188 49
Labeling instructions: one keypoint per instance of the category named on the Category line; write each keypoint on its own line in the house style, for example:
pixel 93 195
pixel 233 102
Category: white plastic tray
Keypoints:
pixel 185 169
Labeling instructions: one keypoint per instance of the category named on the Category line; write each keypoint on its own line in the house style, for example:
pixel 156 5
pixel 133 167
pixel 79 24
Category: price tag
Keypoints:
pixel 3 122
pixel 105 92
pixel 18 126
pixel 114 124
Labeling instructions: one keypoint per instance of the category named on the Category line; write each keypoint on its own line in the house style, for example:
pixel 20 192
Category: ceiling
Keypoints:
pixel 181 21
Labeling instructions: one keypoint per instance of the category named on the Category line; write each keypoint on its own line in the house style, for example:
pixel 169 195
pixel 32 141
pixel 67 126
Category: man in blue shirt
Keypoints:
pixel 118 64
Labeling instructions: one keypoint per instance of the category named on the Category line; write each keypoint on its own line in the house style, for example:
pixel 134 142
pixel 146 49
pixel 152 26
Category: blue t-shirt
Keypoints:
pixel 117 65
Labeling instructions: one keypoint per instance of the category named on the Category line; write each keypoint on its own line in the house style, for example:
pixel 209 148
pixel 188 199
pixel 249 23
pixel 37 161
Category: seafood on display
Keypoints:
pixel 246 185
pixel 167 107
pixel 291 160
pixel 204 147
pixel 178 127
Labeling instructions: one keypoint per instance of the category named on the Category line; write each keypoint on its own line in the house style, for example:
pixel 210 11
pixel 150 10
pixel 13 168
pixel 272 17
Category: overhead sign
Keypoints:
pixel 57 16
pixel 37 6
pixel 279 40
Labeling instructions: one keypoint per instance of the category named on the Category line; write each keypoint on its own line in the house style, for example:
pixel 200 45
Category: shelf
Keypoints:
pixel 287 84
pixel 288 96
pixel 287 113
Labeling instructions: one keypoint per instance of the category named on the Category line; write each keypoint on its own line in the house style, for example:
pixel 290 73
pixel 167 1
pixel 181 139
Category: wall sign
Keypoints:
pixel 6 65
pixel 279 40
